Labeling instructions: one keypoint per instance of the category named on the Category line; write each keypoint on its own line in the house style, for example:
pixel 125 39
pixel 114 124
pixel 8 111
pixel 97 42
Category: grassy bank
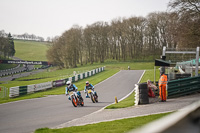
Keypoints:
pixel 30 50
pixel 128 102
pixel 117 126
pixel 7 66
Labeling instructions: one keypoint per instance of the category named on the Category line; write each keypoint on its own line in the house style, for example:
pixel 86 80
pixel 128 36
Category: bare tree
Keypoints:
pixel 182 6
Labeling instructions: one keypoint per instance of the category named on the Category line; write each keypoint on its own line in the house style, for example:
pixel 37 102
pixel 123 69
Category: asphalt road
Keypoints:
pixel 27 115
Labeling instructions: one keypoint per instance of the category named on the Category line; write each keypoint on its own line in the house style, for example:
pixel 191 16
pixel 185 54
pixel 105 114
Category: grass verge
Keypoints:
pixel 7 66
pixel 128 102
pixel 117 126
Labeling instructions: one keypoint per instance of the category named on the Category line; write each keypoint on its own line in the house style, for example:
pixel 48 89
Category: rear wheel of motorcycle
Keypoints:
pixel 96 99
pixel 81 101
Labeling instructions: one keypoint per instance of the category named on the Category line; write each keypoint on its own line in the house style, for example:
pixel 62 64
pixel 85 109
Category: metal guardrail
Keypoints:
pixel 183 86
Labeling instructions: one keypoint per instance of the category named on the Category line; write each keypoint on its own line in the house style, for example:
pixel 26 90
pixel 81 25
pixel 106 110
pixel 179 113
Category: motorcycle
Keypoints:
pixel 76 100
pixel 93 95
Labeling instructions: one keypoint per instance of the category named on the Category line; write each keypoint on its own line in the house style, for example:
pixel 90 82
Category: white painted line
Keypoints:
pixel 141 76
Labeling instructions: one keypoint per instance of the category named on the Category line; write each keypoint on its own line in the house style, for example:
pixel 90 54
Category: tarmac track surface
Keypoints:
pixel 27 115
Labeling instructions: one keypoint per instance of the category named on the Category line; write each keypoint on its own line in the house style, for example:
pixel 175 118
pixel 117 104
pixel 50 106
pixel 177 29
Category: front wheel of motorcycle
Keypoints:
pixel 74 102
pixel 92 98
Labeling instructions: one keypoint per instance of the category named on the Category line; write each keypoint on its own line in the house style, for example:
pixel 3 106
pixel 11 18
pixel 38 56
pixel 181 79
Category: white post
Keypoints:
pixel 164 50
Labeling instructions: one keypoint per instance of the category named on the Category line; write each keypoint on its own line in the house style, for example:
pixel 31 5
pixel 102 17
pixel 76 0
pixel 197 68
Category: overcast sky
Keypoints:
pixel 53 17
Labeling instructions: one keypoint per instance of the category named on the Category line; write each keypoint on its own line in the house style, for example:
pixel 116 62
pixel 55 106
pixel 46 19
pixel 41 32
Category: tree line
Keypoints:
pixel 7 48
pixel 27 36
pixel 134 38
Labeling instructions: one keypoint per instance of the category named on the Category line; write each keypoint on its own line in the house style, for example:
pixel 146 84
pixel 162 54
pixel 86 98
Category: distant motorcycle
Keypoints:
pixel 93 95
pixel 76 100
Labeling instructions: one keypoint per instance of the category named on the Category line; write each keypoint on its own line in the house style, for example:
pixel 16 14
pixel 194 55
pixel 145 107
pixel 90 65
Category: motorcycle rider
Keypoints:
pixel 87 87
pixel 70 87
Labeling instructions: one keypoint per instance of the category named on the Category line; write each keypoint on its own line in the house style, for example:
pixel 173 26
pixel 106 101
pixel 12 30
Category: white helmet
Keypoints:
pixel 68 83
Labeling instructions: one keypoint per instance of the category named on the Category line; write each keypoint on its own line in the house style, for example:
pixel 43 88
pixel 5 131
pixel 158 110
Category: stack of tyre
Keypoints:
pixel 143 93
pixel 136 94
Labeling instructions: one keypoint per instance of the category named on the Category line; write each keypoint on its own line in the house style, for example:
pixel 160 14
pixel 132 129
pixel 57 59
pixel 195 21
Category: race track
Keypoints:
pixel 27 115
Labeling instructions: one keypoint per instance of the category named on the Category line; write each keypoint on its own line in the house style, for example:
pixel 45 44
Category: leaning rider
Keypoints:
pixel 87 87
pixel 70 87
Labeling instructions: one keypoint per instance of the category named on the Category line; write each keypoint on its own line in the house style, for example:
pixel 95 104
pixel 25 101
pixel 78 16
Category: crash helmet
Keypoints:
pixel 68 83
pixel 87 83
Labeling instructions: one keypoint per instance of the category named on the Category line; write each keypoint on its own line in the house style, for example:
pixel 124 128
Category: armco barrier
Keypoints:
pixel 23 90
pixel 43 86
pixel 14 91
pixel 76 78
pixel 58 83
pixel 81 76
pixel 73 79
pixel 31 89
pixel 70 79
pixel 183 86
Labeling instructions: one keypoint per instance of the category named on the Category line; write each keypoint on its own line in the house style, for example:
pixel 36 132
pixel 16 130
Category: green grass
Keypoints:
pixel 117 126
pixel 7 66
pixel 149 75
pixel 128 102
pixel 133 65
pixel 30 50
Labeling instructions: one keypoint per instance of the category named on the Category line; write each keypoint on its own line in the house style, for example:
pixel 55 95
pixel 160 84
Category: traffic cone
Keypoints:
pixel 116 101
